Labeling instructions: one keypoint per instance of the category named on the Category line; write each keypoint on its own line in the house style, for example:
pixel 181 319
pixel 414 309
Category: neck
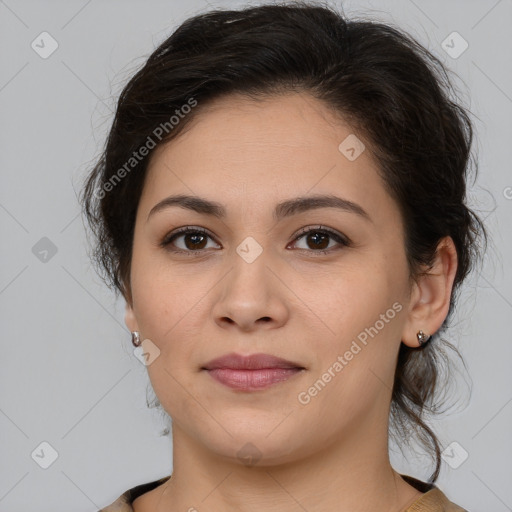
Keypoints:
pixel 347 476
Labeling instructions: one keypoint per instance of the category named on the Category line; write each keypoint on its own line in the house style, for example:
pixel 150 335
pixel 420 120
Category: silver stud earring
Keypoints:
pixel 136 339
pixel 422 338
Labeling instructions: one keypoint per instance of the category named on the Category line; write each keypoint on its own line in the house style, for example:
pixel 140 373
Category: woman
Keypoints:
pixel 281 203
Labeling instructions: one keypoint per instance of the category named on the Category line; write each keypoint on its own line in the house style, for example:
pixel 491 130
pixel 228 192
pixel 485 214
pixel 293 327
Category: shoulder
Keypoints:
pixel 433 499
pixel 125 502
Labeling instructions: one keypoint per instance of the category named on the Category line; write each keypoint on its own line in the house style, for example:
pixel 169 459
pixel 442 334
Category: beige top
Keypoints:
pixel 433 499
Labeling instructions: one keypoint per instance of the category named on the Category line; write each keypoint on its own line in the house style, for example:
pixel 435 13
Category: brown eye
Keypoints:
pixel 317 240
pixel 194 240
pixel 190 240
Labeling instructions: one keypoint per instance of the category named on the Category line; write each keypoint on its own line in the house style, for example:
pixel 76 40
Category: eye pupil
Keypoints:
pixel 196 239
pixel 316 236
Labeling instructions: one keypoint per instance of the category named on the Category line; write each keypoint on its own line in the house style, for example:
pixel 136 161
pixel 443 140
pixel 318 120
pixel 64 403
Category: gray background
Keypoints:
pixel 69 376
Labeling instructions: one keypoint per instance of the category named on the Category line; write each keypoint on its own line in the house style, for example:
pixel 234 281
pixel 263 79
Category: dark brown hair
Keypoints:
pixel 389 88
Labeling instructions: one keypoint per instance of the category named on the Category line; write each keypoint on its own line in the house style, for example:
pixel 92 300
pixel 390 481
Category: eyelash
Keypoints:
pixel 343 241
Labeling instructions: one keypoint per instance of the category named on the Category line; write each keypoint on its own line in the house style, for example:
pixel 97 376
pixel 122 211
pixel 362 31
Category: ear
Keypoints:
pixel 129 318
pixel 430 296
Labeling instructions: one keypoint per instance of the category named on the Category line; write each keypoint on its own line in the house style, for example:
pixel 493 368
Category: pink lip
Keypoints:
pixel 249 380
pixel 252 362
pixel 256 371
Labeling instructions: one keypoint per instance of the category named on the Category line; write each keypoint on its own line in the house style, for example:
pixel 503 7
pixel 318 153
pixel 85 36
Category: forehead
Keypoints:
pixel 294 122
pixel 239 150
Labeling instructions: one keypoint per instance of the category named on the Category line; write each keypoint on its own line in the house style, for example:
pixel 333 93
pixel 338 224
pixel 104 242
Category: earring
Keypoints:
pixel 422 338
pixel 136 338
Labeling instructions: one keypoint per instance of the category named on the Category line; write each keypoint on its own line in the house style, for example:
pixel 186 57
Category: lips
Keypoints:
pixel 252 380
pixel 252 362
pixel 251 373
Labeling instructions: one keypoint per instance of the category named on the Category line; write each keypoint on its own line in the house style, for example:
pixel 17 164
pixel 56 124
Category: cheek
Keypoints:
pixel 165 299
pixel 364 312
pixel 359 296
pixel 355 365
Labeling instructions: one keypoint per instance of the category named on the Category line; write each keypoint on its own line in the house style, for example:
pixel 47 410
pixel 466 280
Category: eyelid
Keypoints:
pixel 342 240
pixel 184 230
pixel 322 228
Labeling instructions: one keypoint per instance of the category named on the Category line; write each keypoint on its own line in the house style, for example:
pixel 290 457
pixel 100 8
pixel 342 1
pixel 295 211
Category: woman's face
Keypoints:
pixel 255 283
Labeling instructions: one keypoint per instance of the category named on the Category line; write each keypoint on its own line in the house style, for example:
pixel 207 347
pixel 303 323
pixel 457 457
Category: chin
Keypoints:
pixel 257 445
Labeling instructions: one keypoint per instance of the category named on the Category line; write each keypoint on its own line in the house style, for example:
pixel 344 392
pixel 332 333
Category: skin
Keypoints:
pixel 332 453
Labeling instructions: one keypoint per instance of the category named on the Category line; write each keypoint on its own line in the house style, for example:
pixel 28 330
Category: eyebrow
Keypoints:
pixel 284 209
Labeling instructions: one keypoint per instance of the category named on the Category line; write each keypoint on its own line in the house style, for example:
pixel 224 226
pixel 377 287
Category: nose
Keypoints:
pixel 251 297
